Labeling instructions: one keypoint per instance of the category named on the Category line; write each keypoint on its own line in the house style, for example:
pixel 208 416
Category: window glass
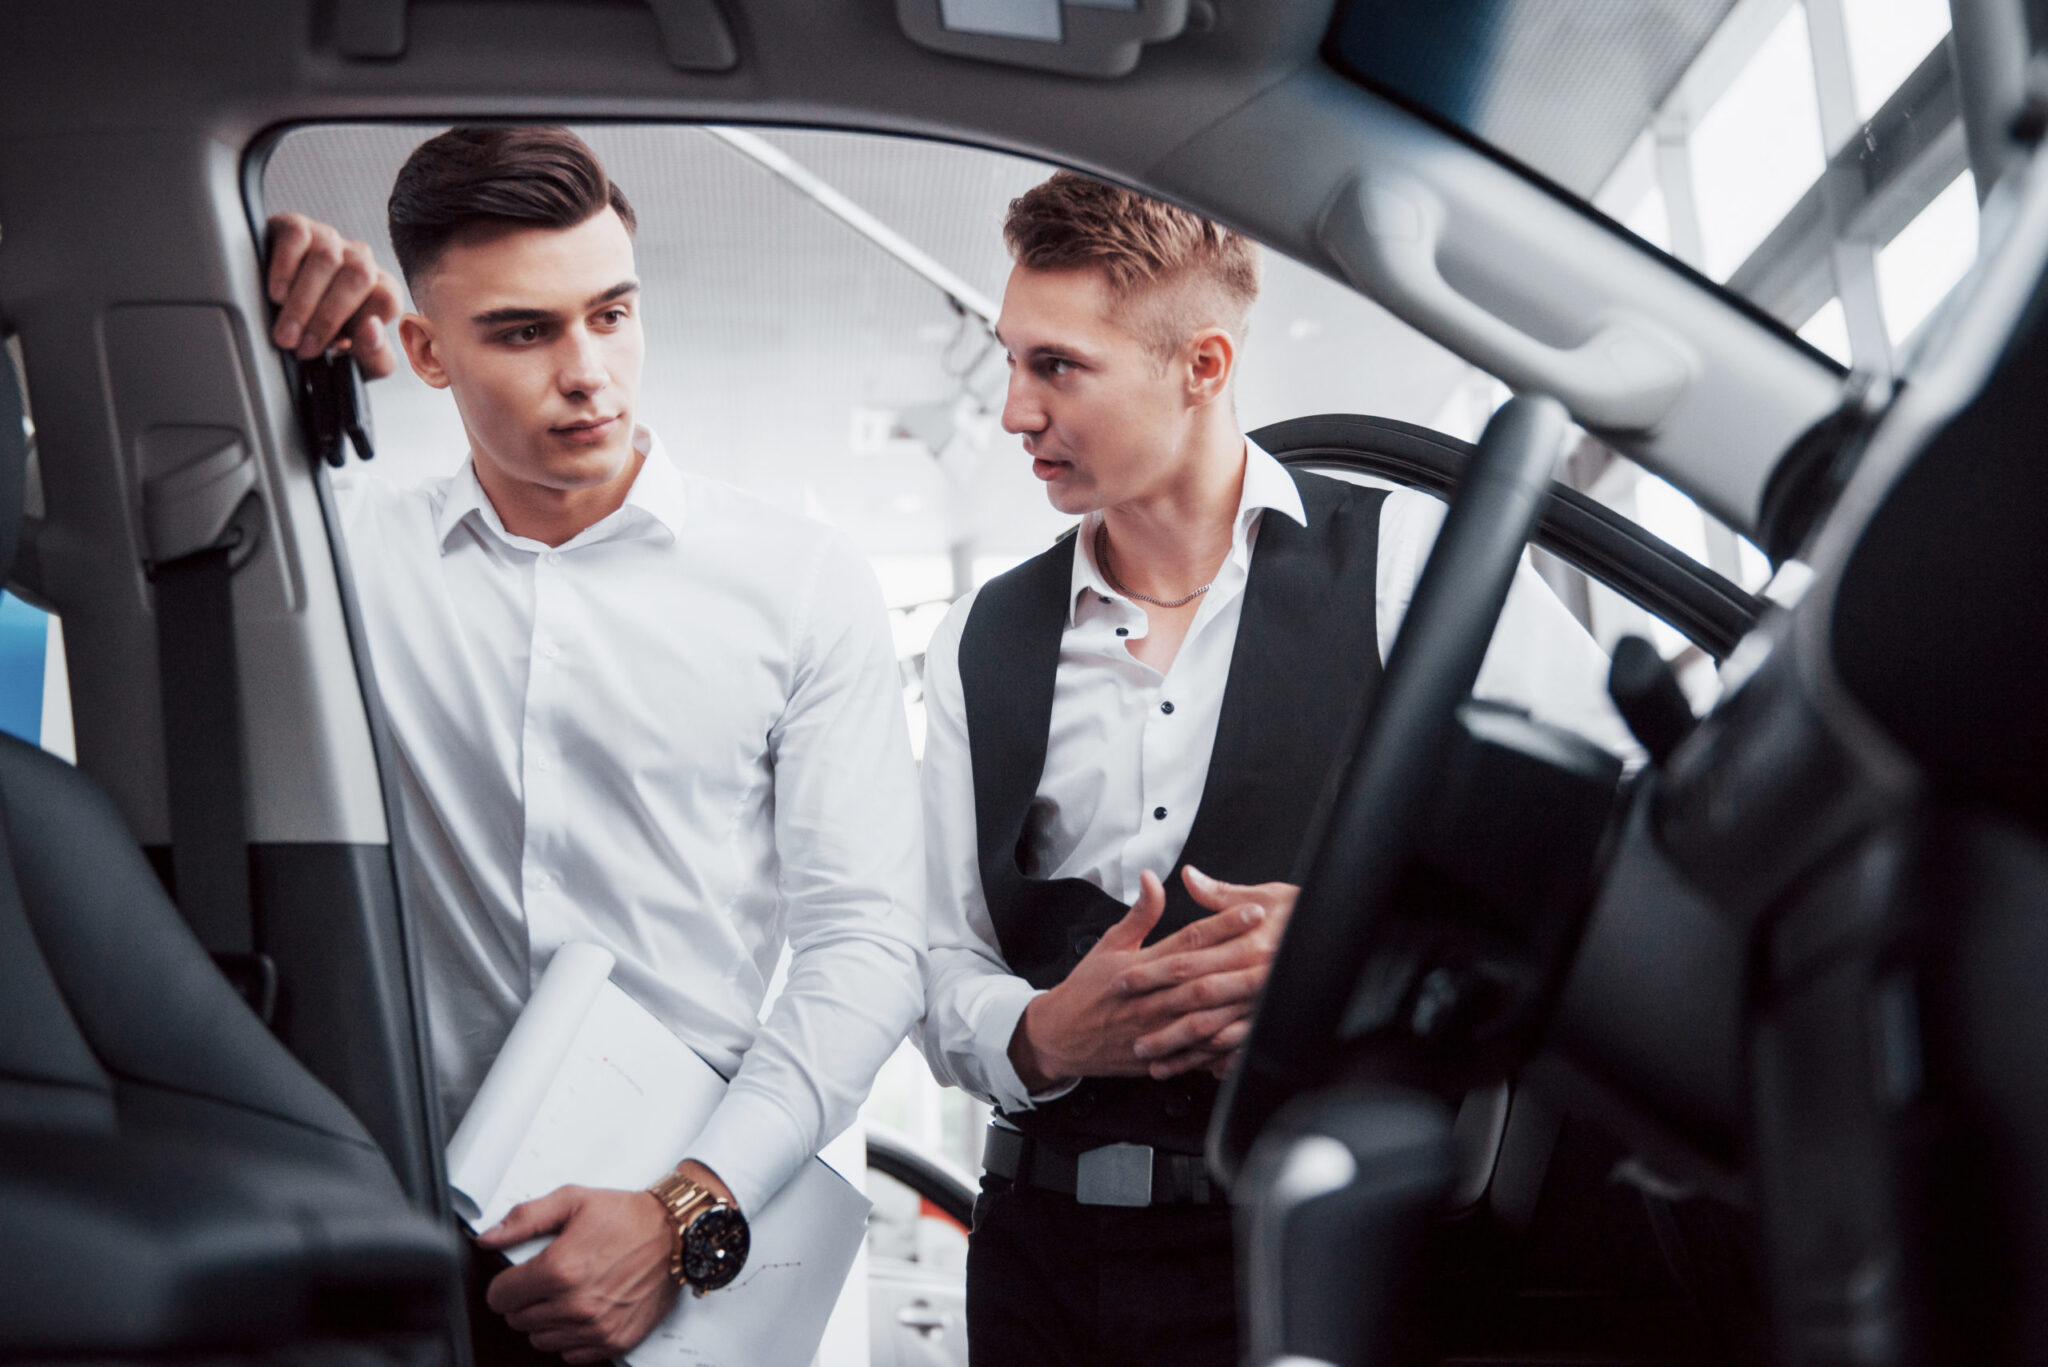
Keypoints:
pixel 1828 330
pixel 1633 196
pixel 35 688
pixel 1650 220
pixel 1608 477
pixel 1917 269
pixel 792 356
pixel 1757 148
pixel 1702 127
pixel 1887 39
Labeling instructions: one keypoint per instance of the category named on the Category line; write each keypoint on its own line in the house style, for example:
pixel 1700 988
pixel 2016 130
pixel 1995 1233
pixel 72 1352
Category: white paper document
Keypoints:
pixel 591 1090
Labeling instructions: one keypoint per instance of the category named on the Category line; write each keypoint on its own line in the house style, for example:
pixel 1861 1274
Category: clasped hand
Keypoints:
pixel 1131 1010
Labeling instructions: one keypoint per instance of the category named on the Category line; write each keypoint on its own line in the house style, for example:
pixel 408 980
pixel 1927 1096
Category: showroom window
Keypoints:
pixel 1779 147
pixel 1731 173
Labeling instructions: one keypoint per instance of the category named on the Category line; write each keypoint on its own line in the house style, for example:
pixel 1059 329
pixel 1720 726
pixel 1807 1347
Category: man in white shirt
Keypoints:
pixel 630 706
pixel 1155 700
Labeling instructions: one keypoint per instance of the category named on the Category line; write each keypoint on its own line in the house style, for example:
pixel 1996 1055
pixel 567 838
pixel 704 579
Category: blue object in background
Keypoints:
pixel 24 637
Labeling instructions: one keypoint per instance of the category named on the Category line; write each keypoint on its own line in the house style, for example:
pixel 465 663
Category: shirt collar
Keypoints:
pixel 1266 485
pixel 657 498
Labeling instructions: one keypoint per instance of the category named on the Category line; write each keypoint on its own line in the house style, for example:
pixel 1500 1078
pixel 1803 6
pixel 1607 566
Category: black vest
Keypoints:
pixel 1306 658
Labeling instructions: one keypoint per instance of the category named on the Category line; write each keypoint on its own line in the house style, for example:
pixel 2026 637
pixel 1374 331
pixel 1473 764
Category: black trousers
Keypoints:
pixel 1053 1283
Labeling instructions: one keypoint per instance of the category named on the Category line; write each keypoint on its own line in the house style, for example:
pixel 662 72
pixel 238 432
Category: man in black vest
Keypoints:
pixel 1126 736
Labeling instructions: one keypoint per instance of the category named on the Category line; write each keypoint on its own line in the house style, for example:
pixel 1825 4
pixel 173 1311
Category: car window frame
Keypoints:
pixel 1706 608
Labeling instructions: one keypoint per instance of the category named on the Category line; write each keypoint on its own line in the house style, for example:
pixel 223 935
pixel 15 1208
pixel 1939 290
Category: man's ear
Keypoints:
pixel 422 348
pixel 1211 359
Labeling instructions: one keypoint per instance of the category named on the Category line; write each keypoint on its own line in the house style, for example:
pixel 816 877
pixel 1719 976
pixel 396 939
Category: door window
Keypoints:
pixel 35 689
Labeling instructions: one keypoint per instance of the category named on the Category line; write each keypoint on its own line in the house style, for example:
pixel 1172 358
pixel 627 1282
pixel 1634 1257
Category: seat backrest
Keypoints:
pixel 119 1019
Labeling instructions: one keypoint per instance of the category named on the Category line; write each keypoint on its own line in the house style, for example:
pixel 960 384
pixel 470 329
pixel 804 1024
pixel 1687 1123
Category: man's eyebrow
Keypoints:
pixel 499 317
pixel 1047 349
pixel 506 317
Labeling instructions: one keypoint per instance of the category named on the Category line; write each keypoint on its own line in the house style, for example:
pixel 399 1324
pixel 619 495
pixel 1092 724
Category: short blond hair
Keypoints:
pixel 1171 273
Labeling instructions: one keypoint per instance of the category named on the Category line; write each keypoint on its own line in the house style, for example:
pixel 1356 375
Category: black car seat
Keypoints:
pixel 171 1179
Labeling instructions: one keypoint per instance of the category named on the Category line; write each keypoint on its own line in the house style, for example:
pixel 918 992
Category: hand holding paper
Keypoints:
pixel 600 1287
pixel 590 1100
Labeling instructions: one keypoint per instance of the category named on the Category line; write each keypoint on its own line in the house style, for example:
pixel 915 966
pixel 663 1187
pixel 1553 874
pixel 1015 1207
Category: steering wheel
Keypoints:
pixel 1365 838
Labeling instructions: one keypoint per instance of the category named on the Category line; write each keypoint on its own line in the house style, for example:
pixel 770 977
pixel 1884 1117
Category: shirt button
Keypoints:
pixel 1159 813
pixel 540 764
pixel 552 557
pixel 539 882
pixel 1167 708
pixel 1123 631
pixel 551 650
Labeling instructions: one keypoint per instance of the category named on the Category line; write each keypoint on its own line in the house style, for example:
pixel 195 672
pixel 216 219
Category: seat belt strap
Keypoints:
pixel 204 519
pixel 201 692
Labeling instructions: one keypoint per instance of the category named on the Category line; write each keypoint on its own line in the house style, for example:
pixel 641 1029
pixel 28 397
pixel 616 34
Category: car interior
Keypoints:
pixel 1726 1056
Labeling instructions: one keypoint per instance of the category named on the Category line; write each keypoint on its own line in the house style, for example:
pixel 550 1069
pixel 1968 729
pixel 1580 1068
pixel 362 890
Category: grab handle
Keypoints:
pixel 1387 237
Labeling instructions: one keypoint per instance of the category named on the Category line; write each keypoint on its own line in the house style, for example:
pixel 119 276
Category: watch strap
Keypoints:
pixel 683 1200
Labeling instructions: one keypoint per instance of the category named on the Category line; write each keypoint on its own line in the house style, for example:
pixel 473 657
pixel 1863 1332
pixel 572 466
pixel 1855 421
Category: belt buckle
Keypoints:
pixel 1114 1175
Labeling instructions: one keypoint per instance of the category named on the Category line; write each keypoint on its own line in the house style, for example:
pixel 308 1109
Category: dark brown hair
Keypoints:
pixel 480 178
pixel 1170 272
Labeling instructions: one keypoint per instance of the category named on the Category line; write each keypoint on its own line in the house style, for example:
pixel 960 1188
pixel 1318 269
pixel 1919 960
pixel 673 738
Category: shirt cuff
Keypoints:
pixel 999 1019
pixel 754 1146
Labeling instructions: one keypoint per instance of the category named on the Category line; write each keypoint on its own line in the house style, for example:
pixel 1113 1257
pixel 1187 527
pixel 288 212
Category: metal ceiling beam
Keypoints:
pixel 1852 262
pixel 808 183
pixel 1907 154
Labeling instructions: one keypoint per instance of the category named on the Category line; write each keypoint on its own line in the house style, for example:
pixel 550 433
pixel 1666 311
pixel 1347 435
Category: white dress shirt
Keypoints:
pixel 679 735
pixel 1124 774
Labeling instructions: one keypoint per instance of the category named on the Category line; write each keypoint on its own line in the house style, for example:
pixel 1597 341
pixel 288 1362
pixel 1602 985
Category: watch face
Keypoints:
pixel 715 1248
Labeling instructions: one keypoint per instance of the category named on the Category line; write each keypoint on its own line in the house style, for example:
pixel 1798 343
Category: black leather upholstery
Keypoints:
pixel 114 1016
pixel 141 1246
pixel 170 1177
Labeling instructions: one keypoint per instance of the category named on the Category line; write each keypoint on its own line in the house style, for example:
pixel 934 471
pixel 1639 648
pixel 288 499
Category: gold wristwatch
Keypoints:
pixel 710 1237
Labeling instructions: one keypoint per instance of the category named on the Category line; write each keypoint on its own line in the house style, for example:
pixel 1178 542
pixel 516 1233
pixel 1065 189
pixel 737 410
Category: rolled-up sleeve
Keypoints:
pixel 849 849
pixel 972 1000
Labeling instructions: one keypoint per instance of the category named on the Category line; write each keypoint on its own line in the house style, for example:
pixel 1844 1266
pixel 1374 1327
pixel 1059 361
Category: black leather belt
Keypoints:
pixel 1107 1175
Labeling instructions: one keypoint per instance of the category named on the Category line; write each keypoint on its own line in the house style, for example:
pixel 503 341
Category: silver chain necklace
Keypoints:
pixel 1102 559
